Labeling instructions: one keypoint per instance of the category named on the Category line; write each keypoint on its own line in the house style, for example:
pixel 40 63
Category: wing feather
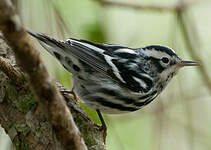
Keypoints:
pixel 84 51
pixel 104 58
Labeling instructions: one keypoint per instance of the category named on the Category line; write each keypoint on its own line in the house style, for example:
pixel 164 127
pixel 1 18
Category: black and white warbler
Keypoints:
pixel 112 78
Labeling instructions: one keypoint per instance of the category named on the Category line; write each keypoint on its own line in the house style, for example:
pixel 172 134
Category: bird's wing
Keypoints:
pixel 106 47
pixel 90 53
pixel 104 58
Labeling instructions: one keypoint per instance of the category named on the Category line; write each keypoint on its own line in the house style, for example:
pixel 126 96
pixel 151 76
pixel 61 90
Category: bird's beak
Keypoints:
pixel 188 63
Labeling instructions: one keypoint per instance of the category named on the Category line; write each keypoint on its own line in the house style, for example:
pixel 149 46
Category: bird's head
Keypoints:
pixel 164 62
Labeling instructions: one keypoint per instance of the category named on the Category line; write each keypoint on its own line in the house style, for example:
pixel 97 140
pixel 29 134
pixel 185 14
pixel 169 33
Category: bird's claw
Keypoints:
pixel 72 93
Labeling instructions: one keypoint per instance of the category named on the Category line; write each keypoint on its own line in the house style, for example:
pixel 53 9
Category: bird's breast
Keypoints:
pixel 109 97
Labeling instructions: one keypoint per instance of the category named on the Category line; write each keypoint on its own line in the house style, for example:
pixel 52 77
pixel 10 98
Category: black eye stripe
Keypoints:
pixel 156 62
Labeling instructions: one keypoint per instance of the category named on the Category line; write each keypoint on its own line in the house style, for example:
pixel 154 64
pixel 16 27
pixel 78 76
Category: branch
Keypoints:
pixel 192 41
pixel 42 85
pixel 153 7
pixel 15 75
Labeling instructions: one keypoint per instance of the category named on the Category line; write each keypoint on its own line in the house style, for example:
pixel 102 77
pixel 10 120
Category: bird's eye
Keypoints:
pixel 165 60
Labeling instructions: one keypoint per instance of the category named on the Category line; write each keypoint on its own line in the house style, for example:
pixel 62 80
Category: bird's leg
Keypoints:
pixel 103 127
pixel 64 91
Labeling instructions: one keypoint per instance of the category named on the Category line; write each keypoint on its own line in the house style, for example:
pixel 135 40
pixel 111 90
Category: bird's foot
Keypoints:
pixel 70 92
pixel 103 127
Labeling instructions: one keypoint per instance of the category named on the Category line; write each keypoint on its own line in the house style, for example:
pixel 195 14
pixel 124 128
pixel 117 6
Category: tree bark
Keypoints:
pixel 27 119
pixel 23 119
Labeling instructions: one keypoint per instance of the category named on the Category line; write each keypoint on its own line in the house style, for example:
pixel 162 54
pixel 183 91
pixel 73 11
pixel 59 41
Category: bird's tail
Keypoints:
pixel 53 46
pixel 73 50
pixel 56 48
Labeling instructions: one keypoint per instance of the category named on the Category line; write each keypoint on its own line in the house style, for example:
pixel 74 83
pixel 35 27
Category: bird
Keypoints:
pixel 111 78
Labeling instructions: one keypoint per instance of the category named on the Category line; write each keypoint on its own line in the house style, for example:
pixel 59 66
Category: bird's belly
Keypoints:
pixel 109 97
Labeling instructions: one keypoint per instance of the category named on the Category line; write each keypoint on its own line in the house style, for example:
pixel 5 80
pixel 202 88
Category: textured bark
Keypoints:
pixel 23 119
pixel 42 85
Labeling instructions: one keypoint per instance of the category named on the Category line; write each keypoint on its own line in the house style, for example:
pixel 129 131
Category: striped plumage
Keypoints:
pixel 113 78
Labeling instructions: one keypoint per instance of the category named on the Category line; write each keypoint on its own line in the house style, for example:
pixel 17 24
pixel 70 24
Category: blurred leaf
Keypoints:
pixel 95 32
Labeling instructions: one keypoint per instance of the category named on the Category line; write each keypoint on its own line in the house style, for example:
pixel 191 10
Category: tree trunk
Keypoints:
pixel 22 117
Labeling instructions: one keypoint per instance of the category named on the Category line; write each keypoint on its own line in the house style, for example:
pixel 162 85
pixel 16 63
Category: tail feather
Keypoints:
pixel 75 50
pixel 53 46
pixel 40 37
pixel 34 34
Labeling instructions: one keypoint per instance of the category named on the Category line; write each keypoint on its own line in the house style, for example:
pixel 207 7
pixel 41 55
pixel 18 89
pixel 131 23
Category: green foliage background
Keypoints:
pixel 179 118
